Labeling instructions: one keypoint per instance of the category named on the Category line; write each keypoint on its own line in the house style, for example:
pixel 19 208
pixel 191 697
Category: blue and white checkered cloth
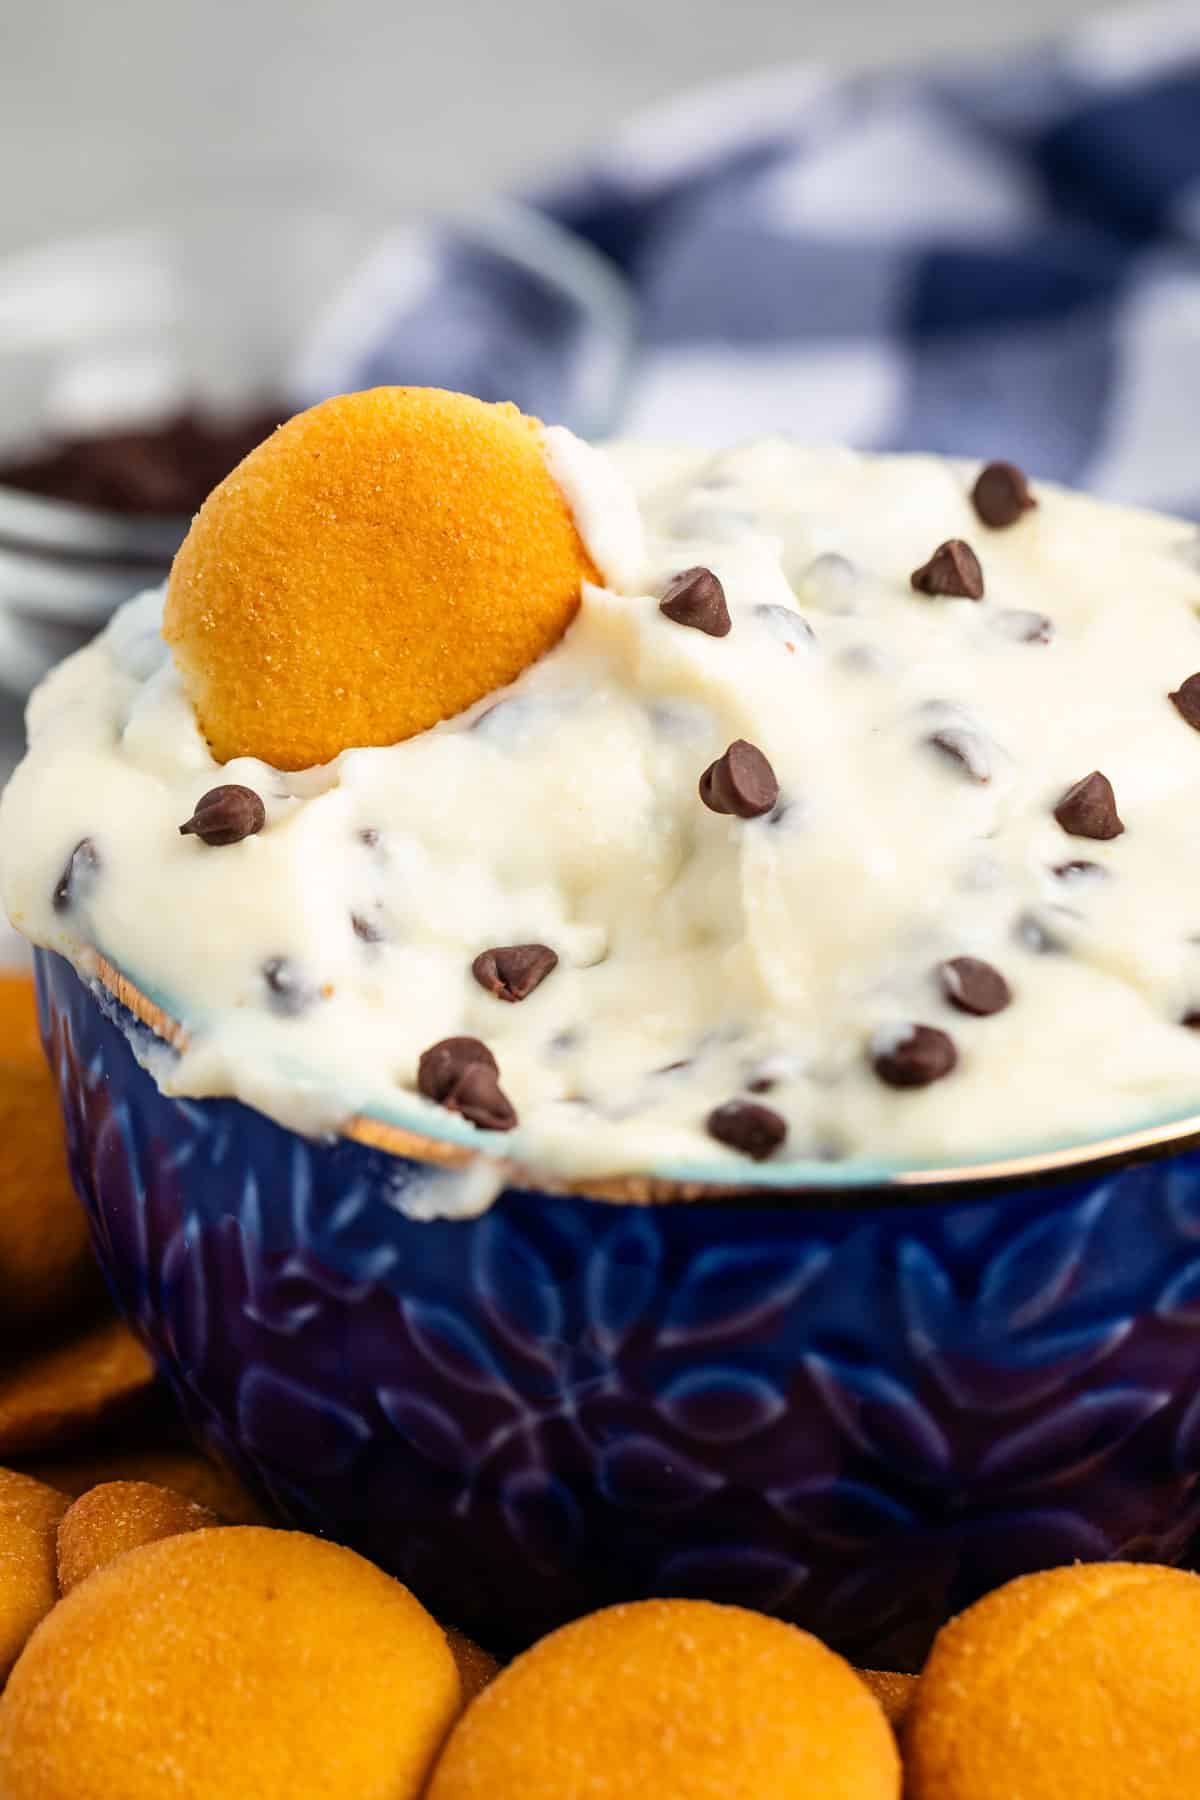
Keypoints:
pixel 995 260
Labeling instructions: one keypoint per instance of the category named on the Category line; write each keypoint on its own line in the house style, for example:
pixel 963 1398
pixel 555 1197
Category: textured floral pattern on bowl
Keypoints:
pixel 858 1413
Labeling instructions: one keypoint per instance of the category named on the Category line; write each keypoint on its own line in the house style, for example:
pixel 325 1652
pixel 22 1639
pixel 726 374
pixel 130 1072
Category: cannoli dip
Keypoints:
pixel 853 822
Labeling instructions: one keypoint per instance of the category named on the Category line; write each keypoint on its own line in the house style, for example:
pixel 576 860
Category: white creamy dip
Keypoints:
pixel 777 961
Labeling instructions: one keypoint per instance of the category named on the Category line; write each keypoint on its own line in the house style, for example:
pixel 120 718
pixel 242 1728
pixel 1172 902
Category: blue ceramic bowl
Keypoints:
pixel 855 1409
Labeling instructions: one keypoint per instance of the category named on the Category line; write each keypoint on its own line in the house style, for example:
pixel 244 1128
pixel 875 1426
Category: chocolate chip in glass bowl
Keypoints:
pixel 1089 809
pixel 226 815
pixel 742 782
pixel 512 971
pixel 1186 701
pixel 78 877
pixel 1001 495
pixel 462 1075
pixel 974 986
pixel 744 1125
pixel 696 598
pixel 164 467
pixel 912 1056
pixel 952 573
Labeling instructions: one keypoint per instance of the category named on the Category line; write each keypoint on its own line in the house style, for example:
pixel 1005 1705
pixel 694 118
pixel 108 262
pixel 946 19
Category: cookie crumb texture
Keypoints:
pixel 226 1663
pixel 379 563
pixel 29 1518
pixel 118 1516
pixel 678 1698
pixel 894 1692
pixel 1081 1683
pixel 927 854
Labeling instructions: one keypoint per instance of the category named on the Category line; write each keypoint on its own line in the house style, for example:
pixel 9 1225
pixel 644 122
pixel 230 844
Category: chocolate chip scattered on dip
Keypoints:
pixel 564 803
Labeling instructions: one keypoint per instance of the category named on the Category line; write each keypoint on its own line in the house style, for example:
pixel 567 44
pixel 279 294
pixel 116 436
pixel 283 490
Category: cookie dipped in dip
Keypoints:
pixel 641 810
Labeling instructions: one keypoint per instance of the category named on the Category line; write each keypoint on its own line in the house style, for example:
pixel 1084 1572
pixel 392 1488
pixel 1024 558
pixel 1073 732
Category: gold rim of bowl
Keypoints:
pixel 904 1185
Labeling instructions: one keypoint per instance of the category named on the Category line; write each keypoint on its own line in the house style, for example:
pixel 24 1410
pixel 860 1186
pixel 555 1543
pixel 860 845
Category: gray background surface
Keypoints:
pixel 445 98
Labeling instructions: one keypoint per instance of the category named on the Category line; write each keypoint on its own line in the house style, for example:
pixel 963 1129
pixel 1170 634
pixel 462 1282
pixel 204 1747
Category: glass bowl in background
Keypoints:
pixel 262 298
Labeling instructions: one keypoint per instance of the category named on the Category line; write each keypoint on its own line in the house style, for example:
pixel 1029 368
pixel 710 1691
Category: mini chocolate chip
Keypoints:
pixel 1041 934
pixel 741 782
pixel 226 815
pixel 82 866
pixel 1089 809
pixel 785 624
pixel 512 971
pixel 370 837
pixel 922 1055
pixel 743 1125
pixel 1023 627
pixel 952 573
pixel 673 1068
pixel 967 749
pixel 761 1084
pixel 443 1063
pixel 478 1097
pixel 461 1074
pixel 1191 1019
pixel 1079 869
pixel 830 581
pixel 367 929
pixel 287 991
pixel 1001 495
pixel 1186 701
pixel 505 720
pixel 974 986
pixel 696 598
